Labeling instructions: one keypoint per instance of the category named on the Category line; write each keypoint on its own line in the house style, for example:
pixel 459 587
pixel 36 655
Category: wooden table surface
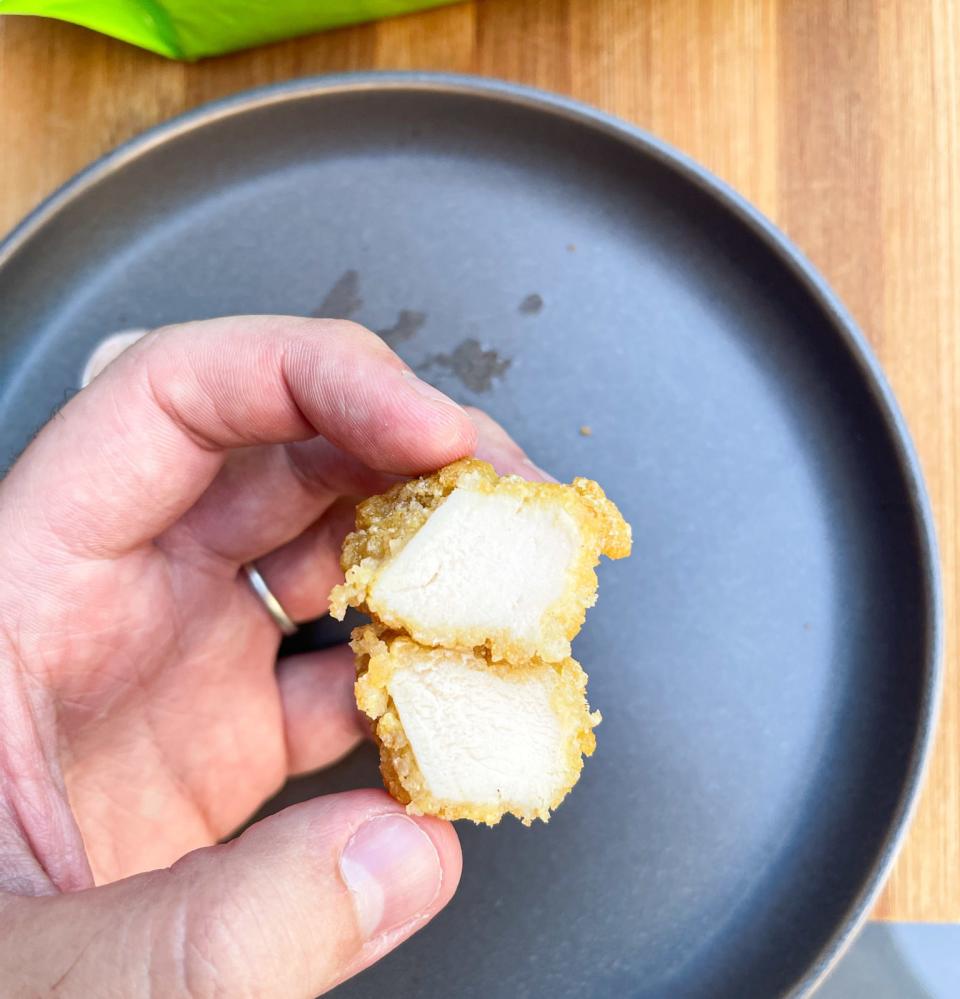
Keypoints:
pixel 840 119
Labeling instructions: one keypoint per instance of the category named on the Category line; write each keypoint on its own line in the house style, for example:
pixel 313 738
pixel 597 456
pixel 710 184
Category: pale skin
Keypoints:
pixel 143 715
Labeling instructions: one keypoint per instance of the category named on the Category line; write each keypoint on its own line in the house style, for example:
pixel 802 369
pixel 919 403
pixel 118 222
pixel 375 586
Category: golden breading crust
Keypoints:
pixel 384 524
pixel 377 650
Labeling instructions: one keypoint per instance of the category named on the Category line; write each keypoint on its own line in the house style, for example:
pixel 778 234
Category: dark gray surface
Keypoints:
pixel 765 662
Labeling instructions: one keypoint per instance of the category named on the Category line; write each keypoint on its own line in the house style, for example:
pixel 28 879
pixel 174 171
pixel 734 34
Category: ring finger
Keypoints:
pixel 302 572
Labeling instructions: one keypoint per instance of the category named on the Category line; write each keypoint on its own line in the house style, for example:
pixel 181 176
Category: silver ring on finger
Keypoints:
pixel 274 608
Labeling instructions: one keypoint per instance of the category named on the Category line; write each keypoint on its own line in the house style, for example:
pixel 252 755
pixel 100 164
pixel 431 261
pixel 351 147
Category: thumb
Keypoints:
pixel 301 901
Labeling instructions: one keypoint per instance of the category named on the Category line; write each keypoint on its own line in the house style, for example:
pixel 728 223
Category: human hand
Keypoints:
pixel 142 712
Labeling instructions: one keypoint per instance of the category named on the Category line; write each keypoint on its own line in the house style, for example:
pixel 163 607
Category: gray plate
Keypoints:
pixel 766 663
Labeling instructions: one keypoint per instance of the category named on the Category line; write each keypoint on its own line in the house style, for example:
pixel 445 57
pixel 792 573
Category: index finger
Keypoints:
pixel 134 450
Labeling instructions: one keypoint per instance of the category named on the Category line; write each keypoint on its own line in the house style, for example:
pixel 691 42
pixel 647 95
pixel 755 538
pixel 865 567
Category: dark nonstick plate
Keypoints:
pixel 766 663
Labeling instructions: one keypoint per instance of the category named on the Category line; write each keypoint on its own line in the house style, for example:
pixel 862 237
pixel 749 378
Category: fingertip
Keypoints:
pixel 482 420
pixel 463 442
pixel 429 392
pixel 496 446
pixel 367 803
pixel 363 397
pixel 431 428
pixel 107 351
pixel 534 473
pixel 400 870
pixel 447 844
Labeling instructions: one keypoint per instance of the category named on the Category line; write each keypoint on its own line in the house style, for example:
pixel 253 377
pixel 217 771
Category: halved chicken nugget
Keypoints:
pixel 463 738
pixel 466 559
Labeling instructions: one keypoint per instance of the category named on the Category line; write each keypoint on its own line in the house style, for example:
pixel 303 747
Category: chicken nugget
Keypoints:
pixel 463 738
pixel 467 559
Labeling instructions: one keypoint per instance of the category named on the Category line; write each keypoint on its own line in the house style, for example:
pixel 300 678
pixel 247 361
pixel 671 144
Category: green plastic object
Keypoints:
pixel 192 29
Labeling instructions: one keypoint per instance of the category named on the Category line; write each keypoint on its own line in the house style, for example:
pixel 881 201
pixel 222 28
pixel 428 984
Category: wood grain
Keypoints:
pixel 839 118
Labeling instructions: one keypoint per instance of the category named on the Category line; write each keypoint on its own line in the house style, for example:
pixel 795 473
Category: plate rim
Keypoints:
pixel 774 240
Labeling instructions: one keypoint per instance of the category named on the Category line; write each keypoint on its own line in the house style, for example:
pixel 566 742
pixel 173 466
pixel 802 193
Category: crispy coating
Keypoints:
pixel 379 653
pixel 386 523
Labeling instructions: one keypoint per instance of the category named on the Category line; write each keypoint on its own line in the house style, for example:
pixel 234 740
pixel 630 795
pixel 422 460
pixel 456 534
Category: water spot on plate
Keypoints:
pixel 343 299
pixel 408 325
pixel 473 365
pixel 531 305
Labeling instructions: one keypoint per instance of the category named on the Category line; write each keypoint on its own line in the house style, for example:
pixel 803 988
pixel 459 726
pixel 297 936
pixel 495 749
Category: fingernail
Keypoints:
pixel 537 470
pixel 392 870
pixel 427 391
pixel 108 350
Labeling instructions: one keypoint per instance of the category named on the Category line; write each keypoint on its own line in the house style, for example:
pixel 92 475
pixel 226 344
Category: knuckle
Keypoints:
pixel 206 954
pixel 347 329
pixel 222 945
